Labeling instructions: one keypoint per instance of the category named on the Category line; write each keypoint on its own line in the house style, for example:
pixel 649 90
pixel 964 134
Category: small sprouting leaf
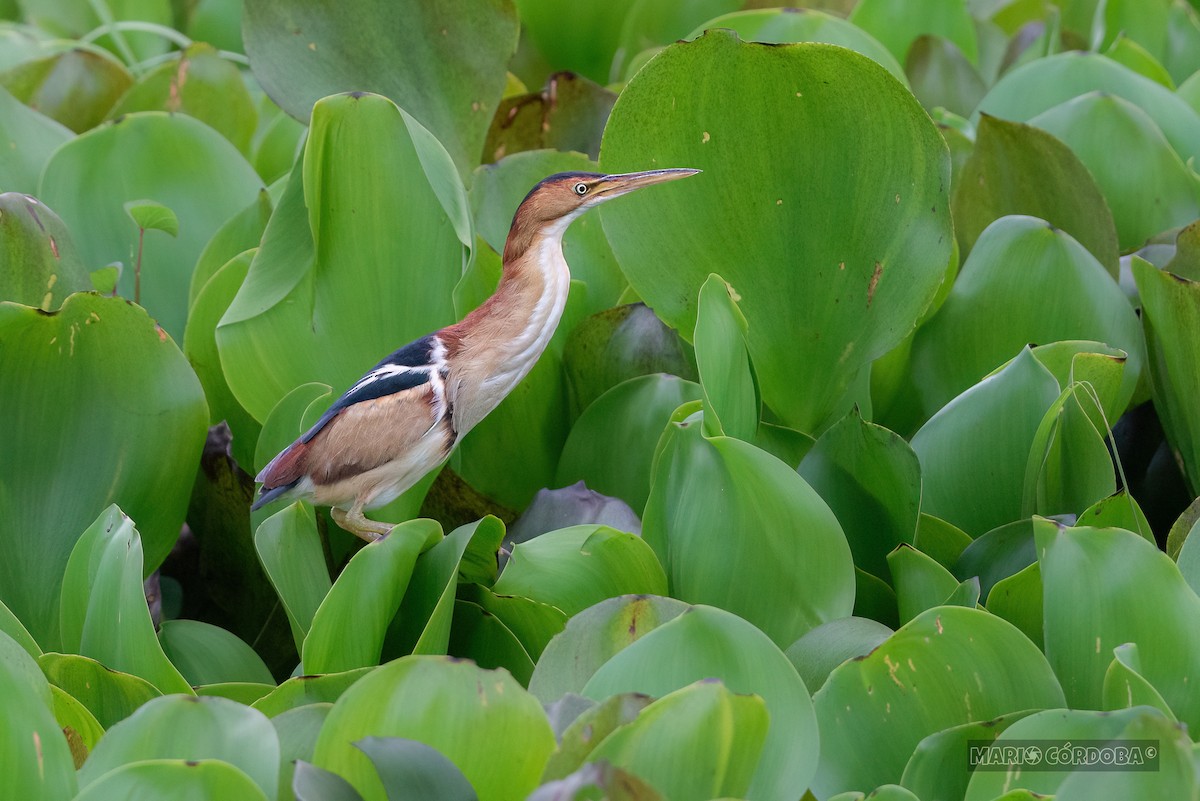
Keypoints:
pixel 105 279
pixel 151 215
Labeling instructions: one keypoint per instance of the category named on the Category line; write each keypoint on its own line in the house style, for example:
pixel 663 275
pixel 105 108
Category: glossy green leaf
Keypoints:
pixel 898 24
pixel 1016 168
pixel 306 690
pixel 871 479
pixel 1002 552
pixel 937 766
pixel 349 626
pixel 39 265
pixel 27 139
pixel 1018 599
pixel 1098 367
pixel 297 730
pixel 532 622
pixel 143 428
pixel 290 550
pixel 819 651
pixel 942 76
pixel 480 636
pixel 1125 686
pixel 1131 54
pixel 244 692
pixel 787 538
pixel 874 248
pixel 359 257
pixel 482 721
pixel 616 785
pixel 208 654
pixel 594 636
pixel 32 746
pixel 1069 465
pixel 80 726
pixel 177 779
pixel 412 769
pixel 920 582
pixel 567 116
pixel 1175 777
pixel 696 743
pixel 152 216
pixel 75 87
pixel 783 25
pixel 111 696
pixel 1118 510
pixel 314 784
pixel 704 642
pixel 1152 190
pixel 241 232
pixel 15 629
pixel 974 451
pixel 574 568
pixel 103 611
pixel 731 404
pixel 1171 316
pixel 179 727
pixel 949 666
pixel 73 19
pixel 1144 600
pixel 590 728
pixel 943 541
pixel 201 84
pixel 443 63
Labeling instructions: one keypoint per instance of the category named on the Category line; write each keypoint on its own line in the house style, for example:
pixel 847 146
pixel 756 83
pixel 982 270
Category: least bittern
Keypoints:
pixel 403 418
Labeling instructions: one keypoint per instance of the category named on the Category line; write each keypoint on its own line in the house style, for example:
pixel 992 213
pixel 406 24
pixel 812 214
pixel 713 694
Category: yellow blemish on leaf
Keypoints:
pixel 893 667
pixel 911 666
pixel 52 281
pixel 937 621
pixel 897 198
pixel 1097 645
pixel 49 296
pixel 704 138
pixel 779 202
pixel 874 283
pixel 312 46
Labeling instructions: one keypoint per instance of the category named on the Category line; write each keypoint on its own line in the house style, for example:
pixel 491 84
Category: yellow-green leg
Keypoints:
pixel 359 525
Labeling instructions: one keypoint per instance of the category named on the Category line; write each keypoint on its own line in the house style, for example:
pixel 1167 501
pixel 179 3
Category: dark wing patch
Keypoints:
pixel 418 353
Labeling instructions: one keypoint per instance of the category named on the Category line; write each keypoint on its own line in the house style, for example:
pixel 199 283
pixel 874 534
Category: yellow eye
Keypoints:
pixel 581 189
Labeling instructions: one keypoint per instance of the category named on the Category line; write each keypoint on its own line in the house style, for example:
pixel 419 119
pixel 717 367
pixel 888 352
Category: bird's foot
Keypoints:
pixel 359 525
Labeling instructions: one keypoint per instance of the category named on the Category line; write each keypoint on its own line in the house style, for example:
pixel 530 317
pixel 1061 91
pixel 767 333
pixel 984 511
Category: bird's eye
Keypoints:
pixel 581 189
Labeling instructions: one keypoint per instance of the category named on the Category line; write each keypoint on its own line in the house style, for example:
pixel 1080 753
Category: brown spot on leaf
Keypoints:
pixel 162 335
pixel 874 283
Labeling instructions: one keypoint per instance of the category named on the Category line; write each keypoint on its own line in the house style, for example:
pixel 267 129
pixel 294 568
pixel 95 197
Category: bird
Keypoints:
pixel 402 418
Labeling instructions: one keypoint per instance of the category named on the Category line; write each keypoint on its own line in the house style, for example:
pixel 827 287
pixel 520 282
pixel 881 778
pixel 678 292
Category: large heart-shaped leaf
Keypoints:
pixel 833 263
pixel 29 139
pixel 39 265
pixel 32 746
pixel 898 24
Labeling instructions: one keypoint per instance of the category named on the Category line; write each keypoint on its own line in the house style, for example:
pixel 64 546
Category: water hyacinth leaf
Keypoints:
pixel 480 636
pixel 1002 552
pixel 592 637
pixel 590 729
pixel 871 479
pixel 27 138
pixel 1148 194
pixel 1131 54
pixel 76 87
pixel 72 19
pixel 948 666
pixel 15 629
pixel 184 780
pixel 614 783
pixel 208 654
pixel 481 720
pixel 201 84
pixel 1016 168
pixel 297 730
pixel 696 743
pixel 533 622
pixel 783 25
pixel 1144 601
pixel 567 115
pixel 1171 316
pixel 1186 260
pixel 943 541
pixel 179 727
pixel 1125 686
pixel 942 77
pixel 314 784
pixel 1175 777
pixel 497 191
pixel 897 25
pixel 935 769
pixel 1100 367
pixel 290 550
pixel 369 265
pixel 731 405
pixel 920 582
pixel 577 567
pixel 875 599
pixel 39 265
pixel 1118 510
pixel 819 651
pixel 151 216
pixel 412 769
pixel 650 24
pixel 349 626
pixel 705 642
pixel 575 505
pixel 706 487
pixel 241 232
pixel 444 63
pixel 582 37
pixel 80 726
pixel 1069 463
pixel 103 613
pixel 974 451
pixel 1018 599
pixel 1040 285
pixel 111 696
pixel 32 745
pixel 175 161
pixel 243 692
pixel 783 202
pixel 302 691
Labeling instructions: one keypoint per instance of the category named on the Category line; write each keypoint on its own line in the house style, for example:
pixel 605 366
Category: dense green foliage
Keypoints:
pixel 893 408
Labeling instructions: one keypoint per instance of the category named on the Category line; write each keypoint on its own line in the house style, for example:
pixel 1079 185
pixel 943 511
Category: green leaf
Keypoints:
pixel 16 630
pixel 290 550
pixel 105 279
pixel 943 541
pixel 1069 465
pixel 482 721
pixel 1118 510
pixel 897 25
pixel 359 257
pixel 73 19
pixel 726 377
pixel 949 666
pixel 244 692
pixel 174 160
pixel 788 542
pixel 39 265
pixel 871 479
pixel 149 215
pixel 27 138
pixel 696 743
pixel 590 728
pixel 241 232
pixel 349 626
pixel 1143 600
pixel 411 769
pixel 32 746
pixel 580 37
pixel 103 611
pixel 297 730
pixel 532 622
pixel 208 654
pixel 942 76
pixel 180 727
pixel 75 87
pixel 445 63
pixel 1018 599
pixel 303 691
pixel 567 116
pixel 704 642
pixel 613 783
pixel 80 726
pixel 111 696
pixel 871 262
pixel 821 650
pixel 484 638
pixel 177 779
pixel 314 784
pixel 920 582
pixel 1002 552
pixel 783 25
pixel 936 768
pixel 974 451
pixel 1125 686
pixel 1019 169
pixel 1175 777
pixel 1171 317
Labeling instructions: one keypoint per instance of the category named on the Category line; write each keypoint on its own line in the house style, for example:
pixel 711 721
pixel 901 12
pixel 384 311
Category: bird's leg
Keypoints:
pixel 357 524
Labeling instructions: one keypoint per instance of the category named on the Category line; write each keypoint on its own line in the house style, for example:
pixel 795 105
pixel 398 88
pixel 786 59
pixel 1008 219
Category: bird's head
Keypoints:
pixel 566 195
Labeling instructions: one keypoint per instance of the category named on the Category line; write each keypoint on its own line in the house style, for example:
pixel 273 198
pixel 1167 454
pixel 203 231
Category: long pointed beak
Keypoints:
pixel 614 185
